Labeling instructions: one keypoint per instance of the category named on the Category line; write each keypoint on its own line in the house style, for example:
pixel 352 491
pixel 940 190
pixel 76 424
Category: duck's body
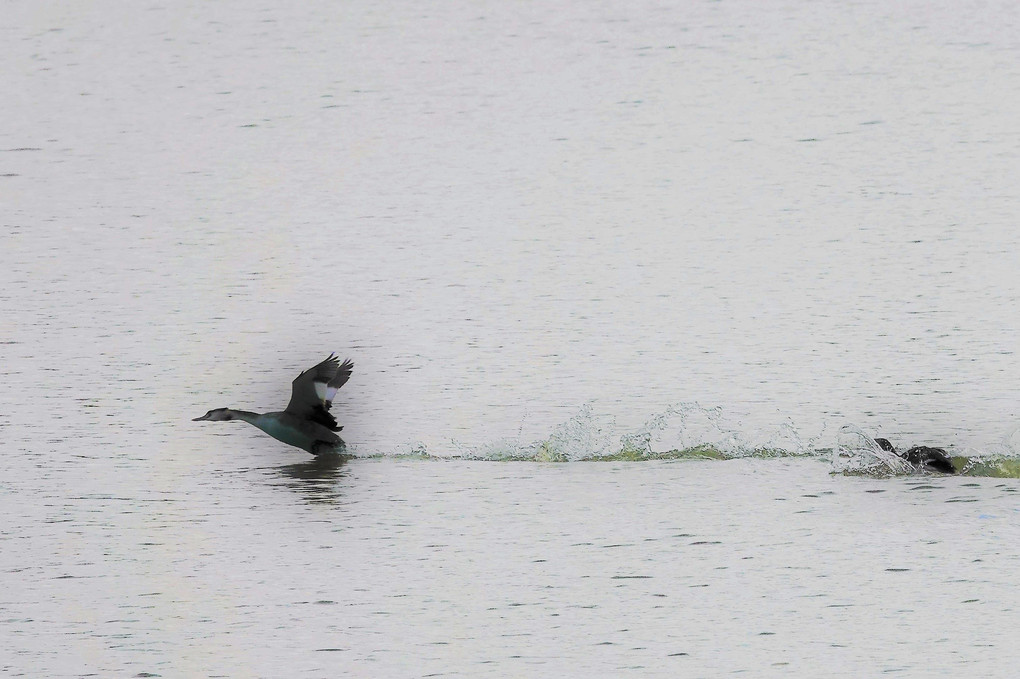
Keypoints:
pixel 930 458
pixel 306 422
pixel 923 457
pixel 285 427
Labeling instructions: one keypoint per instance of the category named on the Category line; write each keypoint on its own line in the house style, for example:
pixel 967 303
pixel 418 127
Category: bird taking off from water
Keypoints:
pixel 306 422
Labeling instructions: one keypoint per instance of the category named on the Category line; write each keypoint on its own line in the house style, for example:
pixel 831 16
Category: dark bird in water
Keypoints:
pixel 934 459
pixel 306 422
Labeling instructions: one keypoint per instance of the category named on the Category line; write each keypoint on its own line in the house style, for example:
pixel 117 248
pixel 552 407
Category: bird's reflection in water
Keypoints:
pixel 318 480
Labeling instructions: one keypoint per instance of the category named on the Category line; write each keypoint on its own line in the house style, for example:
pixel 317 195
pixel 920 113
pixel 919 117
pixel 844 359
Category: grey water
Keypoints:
pixel 550 232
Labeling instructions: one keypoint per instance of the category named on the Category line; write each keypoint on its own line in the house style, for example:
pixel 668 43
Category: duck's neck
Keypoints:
pixel 248 417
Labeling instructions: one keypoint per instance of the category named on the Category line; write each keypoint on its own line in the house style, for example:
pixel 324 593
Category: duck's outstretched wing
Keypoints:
pixel 312 391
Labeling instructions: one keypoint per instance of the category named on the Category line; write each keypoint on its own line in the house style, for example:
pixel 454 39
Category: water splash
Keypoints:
pixel 681 431
pixel 586 435
pixel 689 430
pixel 856 452
pixel 1000 459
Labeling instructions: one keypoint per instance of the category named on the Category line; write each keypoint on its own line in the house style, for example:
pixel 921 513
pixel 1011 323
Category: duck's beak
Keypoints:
pixel 199 419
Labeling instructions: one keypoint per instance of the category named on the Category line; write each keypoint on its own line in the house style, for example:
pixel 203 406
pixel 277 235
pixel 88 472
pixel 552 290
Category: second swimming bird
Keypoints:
pixel 922 457
pixel 306 422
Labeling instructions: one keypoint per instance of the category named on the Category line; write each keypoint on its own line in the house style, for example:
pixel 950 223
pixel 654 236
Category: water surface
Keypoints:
pixel 552 232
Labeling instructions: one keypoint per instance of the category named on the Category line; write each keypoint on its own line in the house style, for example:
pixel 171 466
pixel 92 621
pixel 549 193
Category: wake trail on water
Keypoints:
pixel 681 431
pixel 691 431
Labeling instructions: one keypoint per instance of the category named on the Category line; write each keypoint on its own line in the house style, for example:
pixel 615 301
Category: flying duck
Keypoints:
pixel 306 422
pixel 926 457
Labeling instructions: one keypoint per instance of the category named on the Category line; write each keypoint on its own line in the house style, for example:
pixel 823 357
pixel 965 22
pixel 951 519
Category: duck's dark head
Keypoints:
pixel 216 415
pixel 885 445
